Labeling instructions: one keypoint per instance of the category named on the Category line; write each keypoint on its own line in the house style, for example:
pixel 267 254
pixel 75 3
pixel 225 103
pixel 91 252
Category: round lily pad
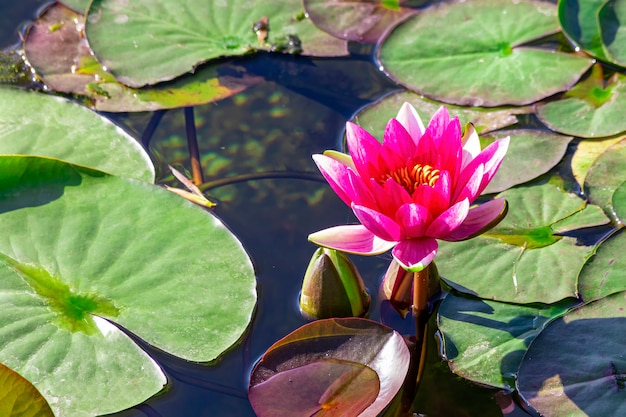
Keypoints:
pixel 362 21
pixel 531 153
pixel 82 252
pixel 44 125
pixel 579 21
pixel 611 17
pixel 592 108
pixel 512 261
pixel 77 5
pixel 605 272
pixel 484 340
pixel 586 153
pixel 147 41
pixel 575 367
pixel 472 53
pixel 65 63
pixel 374 117
pixel 605 175
pixel 347 366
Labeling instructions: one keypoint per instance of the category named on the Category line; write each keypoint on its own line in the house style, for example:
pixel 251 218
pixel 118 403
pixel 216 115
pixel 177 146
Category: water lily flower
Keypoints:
pixel 416 187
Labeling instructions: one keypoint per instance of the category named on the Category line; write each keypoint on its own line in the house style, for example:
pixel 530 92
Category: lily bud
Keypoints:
pixel 332 287
pixel 397 286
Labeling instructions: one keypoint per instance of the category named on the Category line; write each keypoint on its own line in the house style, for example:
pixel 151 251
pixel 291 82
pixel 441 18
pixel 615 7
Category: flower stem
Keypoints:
pixel 421 315
pixel 192 143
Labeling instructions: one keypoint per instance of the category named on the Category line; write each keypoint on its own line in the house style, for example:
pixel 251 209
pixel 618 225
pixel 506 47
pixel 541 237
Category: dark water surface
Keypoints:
pixel 300 109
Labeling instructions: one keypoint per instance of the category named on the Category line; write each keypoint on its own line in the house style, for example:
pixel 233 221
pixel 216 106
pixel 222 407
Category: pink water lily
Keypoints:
pixel 413 189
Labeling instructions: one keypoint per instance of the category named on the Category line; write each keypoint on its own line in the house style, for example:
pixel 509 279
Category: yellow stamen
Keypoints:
pixel 410 179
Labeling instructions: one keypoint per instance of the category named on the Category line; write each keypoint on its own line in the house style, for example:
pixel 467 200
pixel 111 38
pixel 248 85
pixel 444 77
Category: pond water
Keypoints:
pixel 299 109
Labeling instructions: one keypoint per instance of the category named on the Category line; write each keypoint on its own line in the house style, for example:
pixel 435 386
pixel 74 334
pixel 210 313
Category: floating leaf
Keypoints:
pixel 586 153
pixel 374 117
pixel 611 17
pixel 80 248
pixel 619 203
pixel 484 341
pixel 531 153
pixel 442 393
pixel 18 397
pixel 579 21
pixel 147 41
pixel 592 108
pixel 362 21
pixel 338 367
pixel 605 272
pixel 39 124
pixel 575 367
pixel 77 5
pixel 55 46
pixel 605 175
pixel 489 67
pixel 524 259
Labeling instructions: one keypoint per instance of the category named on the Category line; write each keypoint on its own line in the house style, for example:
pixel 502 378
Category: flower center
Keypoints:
pixel 411 178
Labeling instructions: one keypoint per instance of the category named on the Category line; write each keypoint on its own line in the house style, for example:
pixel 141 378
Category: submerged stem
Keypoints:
pixel 296 175
pixel 192 143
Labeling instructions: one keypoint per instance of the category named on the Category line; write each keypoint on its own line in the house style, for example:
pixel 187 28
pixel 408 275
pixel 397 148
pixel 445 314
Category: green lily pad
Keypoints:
pixel 77 5
pixel 147 41
pixel 330 367
pixel 579 21
pixel 531 153
pixel 605 272
pixel 442 393
pixel 362 21
pixel 524 259
pixel 586 153
pixel 605 176
pixel 40 124
pixel 489 67
pixel 374 117
pixel 611 16
pixel 80 248
pixel 619 203
pixel 55 46
pixel 484 341
pixel 575 366
pixel 592 108
pixel 19 398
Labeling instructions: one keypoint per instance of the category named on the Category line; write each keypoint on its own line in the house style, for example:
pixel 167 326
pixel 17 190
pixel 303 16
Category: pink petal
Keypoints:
pixel 364 149
pixel 415 254
pixel 491 157
pixel 352 239
pixel 443 187
pixel 408 117
pixel 480 219
pixel 471 145
pixel 471 189
pixel 426 151
pixel 389 196
pixel 359 192
pixel 432 198
pixel 413 219
pixel 398 140
pixel 450 150
pixel 337 176
pixel 381 225
pixel 449 220
pixel 438 123
pixel 492 165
